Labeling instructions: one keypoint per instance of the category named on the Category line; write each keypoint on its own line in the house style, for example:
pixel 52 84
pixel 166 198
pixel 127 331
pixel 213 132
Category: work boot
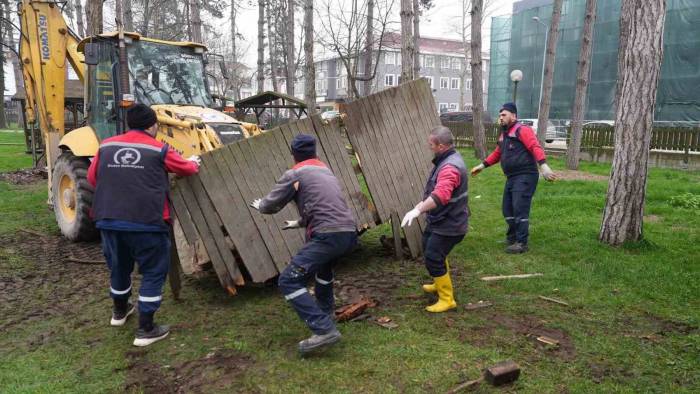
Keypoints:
pixel 516 248
pixel 317 341
pixel 145 338
pixel 120 312
pixel 430 288
pixel 446 300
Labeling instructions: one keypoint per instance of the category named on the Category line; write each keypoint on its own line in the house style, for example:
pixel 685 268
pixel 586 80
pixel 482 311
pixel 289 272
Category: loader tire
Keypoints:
pixel 72 197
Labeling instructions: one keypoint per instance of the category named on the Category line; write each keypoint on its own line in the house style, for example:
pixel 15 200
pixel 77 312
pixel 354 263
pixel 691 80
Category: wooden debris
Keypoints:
pixel 497 375
pixel 554 300
pixel 38 234
pixel 548 341
pixel 348 312
pixel 502 277
pixel 386 322
pixel 465 385
pixel 72 259
pixel 478 305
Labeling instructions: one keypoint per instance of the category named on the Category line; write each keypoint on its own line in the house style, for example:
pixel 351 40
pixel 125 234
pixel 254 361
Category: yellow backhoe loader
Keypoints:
pixel 117 69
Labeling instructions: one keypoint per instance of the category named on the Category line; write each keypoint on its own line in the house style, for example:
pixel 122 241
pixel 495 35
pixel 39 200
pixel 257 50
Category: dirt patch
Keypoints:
pixel 380 286
pixel 602 370
pixel 54 284
pixel 533 328
pixel 214 372
pixel 665 327
pixel 573 175
pixel 25 176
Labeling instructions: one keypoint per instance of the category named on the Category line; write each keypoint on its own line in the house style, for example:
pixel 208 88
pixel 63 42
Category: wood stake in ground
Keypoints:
pixel 554 300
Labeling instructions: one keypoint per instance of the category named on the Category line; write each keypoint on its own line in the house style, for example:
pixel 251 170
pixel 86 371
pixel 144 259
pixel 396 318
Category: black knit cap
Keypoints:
pixel 303 147
pixel 510 107
pixel 141 117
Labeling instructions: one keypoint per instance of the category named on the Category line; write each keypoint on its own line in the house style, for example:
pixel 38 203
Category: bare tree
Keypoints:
pixel 261 46
pixel 234 54
pixel 548 79
pixel 94 16
pixel 407 43
pixel 464 30
pixel 290 52
pixel 369 44
pixel 640 58
pixel 10 37
pixel 128 16
pixel 416 38
pixel 582 76
pixel 309 68
pixel 477 82
pixel 79 17
pixel 344 32
pixel 3 39
pixel 195 20
pixel 272 41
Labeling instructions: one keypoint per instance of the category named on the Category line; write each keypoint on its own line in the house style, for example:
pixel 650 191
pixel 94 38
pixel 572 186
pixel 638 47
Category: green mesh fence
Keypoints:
pixel 517 42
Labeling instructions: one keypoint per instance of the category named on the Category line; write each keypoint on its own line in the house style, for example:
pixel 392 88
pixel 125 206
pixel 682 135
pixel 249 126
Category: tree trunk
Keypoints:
pixel 642 57
pixel 94 15
pixel 477 81
pixel 128 16
pixel 234 75
pixel 407 49
pixel 626 13
pixel 271 47
pixel 548 78
pixel 79 17
pixel 310 69
pixel 369 45
pixel 583 71
pixel 416 38
pixel 291 52
pixel 261 46
pixel 146 18
pixel 195 20
pixel 3 119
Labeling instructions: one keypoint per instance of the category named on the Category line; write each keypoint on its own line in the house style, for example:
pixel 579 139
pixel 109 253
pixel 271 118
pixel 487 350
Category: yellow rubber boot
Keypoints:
pixel 430 288
pixel 446 300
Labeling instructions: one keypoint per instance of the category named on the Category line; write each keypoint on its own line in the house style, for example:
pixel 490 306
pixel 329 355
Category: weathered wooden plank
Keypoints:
pixel 239 221
pixel 243 163
pixel 200 222
pixel 208 206
pixel 357 126
pixel 183 215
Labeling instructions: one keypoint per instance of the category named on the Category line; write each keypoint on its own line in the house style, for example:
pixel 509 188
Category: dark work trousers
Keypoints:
pixel 436 247
pixel 151 250
pixel 315 259
pixel 517 198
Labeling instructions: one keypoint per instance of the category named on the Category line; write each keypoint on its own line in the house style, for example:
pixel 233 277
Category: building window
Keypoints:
pixel 444 82
pixel 322 85
pixel 453 106
pixel 444 62
pixel 456 63
pixel 389 58
pixel 469 84
pixel 428 61
pixel 443 107
pixel 454 83
pixel 398 58
pixel 341 82
pixel 430 81
pixel 389 80
pixel 398 79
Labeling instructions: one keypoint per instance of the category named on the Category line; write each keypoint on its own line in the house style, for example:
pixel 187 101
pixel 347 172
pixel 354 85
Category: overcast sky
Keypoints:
pixel 442 21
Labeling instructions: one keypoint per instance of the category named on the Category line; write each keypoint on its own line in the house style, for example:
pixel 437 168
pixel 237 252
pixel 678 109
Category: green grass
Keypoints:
pixel 12 157
pixel 632 322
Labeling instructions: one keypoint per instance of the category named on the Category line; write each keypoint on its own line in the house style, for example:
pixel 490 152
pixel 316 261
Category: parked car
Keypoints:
pixel 330 114
pixel 599 123
pixel 463 116
pixel 553 132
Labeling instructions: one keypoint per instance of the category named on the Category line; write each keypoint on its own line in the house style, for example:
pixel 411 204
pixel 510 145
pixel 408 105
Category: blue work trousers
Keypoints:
pixel 517 198
pixel 436 247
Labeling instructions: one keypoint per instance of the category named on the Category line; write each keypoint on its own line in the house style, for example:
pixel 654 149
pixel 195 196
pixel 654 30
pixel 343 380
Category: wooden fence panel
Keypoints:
pixel 213 206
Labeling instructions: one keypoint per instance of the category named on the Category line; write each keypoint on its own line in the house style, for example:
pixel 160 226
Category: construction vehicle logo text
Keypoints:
pixel 44 37
pixel 126 157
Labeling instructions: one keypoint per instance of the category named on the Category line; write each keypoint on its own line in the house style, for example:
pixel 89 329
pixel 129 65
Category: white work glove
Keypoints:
pixel 290 224
pixel 476 170
pixel 256 203
pixel 547 172
pixel 409 217
pixel 195 159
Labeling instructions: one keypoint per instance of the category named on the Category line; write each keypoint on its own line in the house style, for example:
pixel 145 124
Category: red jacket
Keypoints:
pixel 174 163
pixel 528 137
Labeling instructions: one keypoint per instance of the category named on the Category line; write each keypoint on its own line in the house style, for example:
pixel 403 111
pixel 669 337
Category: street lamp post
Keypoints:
pixel 516 76
pixel 544 56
